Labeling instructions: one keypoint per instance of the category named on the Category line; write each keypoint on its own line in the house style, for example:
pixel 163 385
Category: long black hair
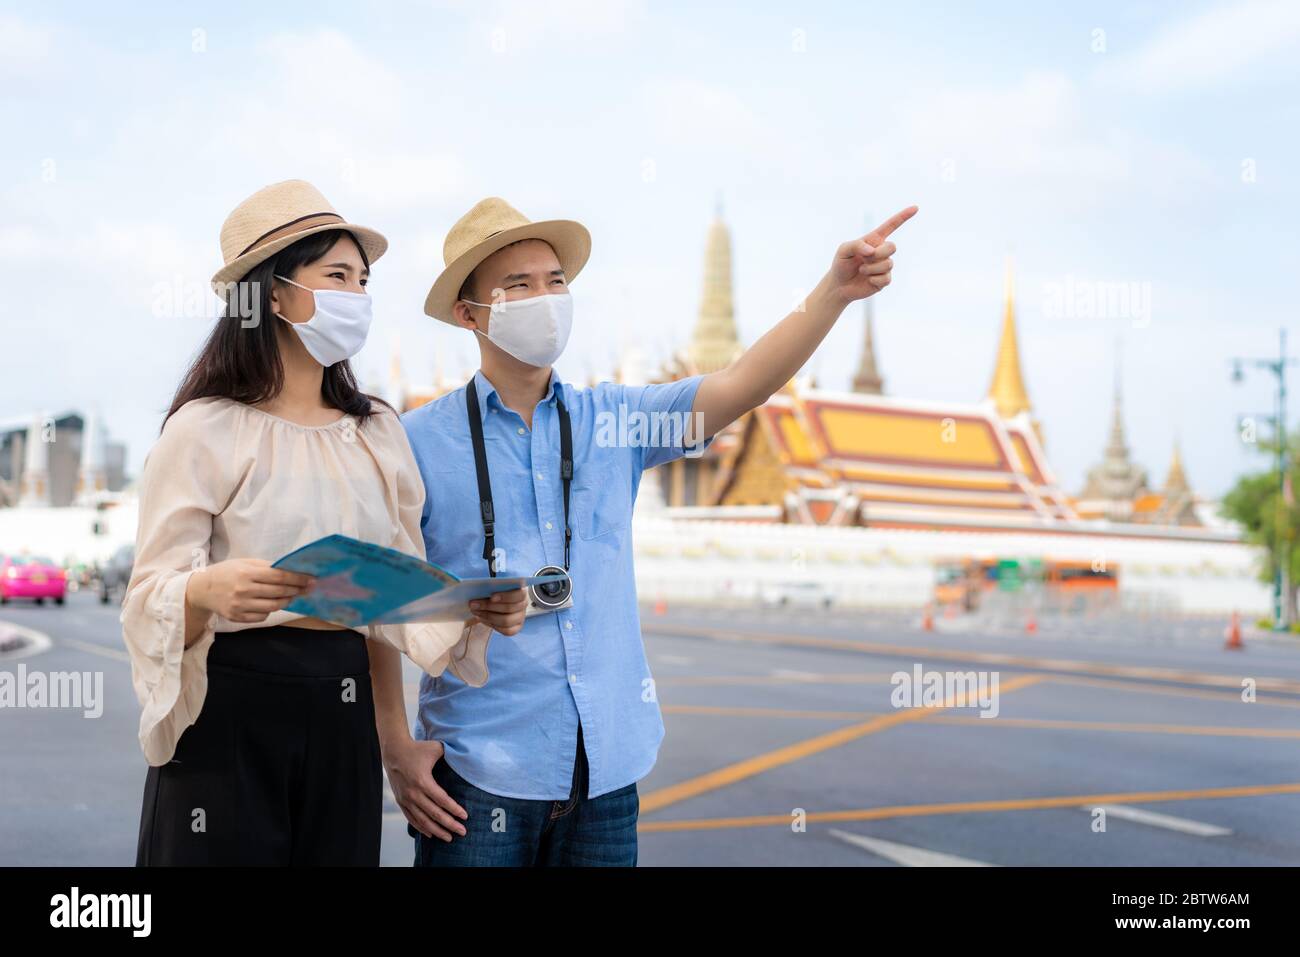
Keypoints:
pixel 241 359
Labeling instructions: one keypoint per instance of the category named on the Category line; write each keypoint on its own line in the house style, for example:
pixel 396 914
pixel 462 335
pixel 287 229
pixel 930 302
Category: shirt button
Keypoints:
pixel 548 525
pixel 520 430
pixel 568 624
pixel 539 476
pixel 573 679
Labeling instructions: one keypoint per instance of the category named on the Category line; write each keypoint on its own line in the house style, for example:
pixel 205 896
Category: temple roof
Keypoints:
pixel 901 457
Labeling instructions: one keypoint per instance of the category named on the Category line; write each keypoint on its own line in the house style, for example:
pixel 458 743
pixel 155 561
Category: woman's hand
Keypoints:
pixel 504 611
pixel 244 589
pixel 428 807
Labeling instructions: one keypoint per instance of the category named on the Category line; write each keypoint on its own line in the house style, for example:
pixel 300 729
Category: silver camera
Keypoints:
pixel 551 596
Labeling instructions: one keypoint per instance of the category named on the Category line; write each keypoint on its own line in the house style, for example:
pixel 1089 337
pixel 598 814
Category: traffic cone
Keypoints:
pixel 1233 634
pixel 661 606
pixel 927 618
pixel 1031 626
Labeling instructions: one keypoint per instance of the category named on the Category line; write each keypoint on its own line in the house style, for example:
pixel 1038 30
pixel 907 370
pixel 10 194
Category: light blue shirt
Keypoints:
pixel 516 736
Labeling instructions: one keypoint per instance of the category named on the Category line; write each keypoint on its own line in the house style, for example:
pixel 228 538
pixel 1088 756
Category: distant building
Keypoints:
pixel 58 460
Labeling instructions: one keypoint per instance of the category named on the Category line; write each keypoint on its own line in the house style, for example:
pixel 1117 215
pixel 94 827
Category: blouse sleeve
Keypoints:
pixel 179 493
pixel 434 646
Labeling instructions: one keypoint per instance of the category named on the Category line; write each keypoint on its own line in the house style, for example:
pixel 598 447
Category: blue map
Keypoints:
pixel 358 583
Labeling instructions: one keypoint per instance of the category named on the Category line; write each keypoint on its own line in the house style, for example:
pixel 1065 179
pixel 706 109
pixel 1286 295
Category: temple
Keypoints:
pixel 815 456
pixel 861 458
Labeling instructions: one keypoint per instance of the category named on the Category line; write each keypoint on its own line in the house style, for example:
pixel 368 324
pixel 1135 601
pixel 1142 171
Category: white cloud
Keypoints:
pixel 513 26
pixel 22 44
pixel 1210 48
pixel 689 112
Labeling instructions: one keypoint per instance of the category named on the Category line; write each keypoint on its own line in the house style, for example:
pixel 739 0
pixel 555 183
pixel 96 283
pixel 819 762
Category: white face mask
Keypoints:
pixel 533 330
pixel 337 329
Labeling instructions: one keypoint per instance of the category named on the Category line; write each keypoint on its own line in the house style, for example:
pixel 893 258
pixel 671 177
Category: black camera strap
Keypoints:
pixel 486 512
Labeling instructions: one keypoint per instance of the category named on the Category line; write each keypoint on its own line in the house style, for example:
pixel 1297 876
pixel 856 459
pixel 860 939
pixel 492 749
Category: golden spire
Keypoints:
pixel 715 343
pixel 1176 480
pixel 867 379
pixel 1008 387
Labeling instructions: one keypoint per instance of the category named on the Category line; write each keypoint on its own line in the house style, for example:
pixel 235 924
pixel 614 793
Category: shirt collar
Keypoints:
pixel 486 390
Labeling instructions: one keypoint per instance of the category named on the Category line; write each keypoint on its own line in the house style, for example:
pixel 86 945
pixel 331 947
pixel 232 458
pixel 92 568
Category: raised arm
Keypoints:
pixel 861 268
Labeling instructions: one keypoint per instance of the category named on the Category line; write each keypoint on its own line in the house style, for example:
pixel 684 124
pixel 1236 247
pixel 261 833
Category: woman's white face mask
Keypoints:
pixel 338 328
pixel 534 330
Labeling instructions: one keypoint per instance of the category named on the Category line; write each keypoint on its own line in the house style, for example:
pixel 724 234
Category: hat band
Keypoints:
pixel 289 228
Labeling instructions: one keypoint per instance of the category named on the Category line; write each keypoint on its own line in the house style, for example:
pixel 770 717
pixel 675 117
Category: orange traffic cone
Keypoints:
pixel 1233 634
pixel 1031 626
pixel 661 606
pixel 927 619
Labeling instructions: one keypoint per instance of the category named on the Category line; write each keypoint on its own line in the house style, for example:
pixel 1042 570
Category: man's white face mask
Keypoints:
pixel 534 330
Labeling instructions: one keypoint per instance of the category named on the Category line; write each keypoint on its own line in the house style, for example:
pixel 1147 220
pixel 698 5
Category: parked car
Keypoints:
pixel 803 594
pixel 116 573
pixel 28 576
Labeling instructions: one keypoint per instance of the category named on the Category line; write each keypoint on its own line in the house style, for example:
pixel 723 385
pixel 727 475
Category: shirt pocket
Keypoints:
pixel 602 501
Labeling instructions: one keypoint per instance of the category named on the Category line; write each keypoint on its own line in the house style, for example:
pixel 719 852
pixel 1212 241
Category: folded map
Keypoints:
pixel 361 584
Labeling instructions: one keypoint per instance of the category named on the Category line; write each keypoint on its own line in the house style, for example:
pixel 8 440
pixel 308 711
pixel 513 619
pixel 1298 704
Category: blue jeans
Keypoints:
pixel 514 832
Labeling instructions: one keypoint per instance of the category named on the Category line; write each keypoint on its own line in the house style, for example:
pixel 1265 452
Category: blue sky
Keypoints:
pixel 1145 143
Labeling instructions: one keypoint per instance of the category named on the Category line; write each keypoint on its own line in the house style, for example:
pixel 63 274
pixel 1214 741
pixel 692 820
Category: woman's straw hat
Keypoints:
pixel 491 225
pixel 279 216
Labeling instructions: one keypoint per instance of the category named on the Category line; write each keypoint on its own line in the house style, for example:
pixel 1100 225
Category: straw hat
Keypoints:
pixel 491 225
pixel 279 216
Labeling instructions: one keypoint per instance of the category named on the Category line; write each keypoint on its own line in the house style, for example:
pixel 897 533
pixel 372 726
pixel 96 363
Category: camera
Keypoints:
pixel 551 596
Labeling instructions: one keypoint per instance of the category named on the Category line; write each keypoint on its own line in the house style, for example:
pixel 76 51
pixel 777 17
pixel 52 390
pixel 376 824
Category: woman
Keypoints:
pixel 259 725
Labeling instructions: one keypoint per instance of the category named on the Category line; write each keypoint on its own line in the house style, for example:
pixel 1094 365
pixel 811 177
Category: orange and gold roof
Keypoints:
pixel 894 453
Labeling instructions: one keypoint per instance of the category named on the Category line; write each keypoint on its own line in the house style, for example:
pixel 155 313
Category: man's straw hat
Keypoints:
pixel 491 225
pixel 279 216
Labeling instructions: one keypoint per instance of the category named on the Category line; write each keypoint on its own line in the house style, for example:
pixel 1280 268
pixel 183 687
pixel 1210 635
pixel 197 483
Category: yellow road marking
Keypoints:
pixel 1134 727
pixel 1067 665
pixel 1119 685
pixel 1046 723
pixel 104 651
pixel 763 712
pixel 830 679
pixel 749 767
pixel 972 807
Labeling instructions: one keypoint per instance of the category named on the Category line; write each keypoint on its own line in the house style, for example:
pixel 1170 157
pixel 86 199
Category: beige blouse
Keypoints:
pixel 226 480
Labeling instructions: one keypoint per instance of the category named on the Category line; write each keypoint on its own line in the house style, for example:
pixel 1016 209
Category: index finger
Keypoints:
pixel 888 226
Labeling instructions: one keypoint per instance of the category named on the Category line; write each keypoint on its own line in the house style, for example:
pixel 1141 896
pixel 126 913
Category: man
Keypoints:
pixel 539 764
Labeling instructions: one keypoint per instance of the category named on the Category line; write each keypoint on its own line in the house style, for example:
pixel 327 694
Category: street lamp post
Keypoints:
pixel 1277 366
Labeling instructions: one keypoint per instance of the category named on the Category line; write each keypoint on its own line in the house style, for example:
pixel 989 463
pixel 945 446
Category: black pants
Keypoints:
pixel 281 767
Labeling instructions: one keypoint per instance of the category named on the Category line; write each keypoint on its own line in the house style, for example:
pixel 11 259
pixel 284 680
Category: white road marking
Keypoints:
pixel 1139 816
pixel 674 659
pixel 904 854
pixel 37 642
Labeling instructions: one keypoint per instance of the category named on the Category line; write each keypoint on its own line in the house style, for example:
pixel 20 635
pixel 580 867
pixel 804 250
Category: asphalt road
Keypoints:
pixel 783 746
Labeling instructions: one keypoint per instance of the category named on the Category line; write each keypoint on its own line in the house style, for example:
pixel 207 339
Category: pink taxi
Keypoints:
pixel 26 576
